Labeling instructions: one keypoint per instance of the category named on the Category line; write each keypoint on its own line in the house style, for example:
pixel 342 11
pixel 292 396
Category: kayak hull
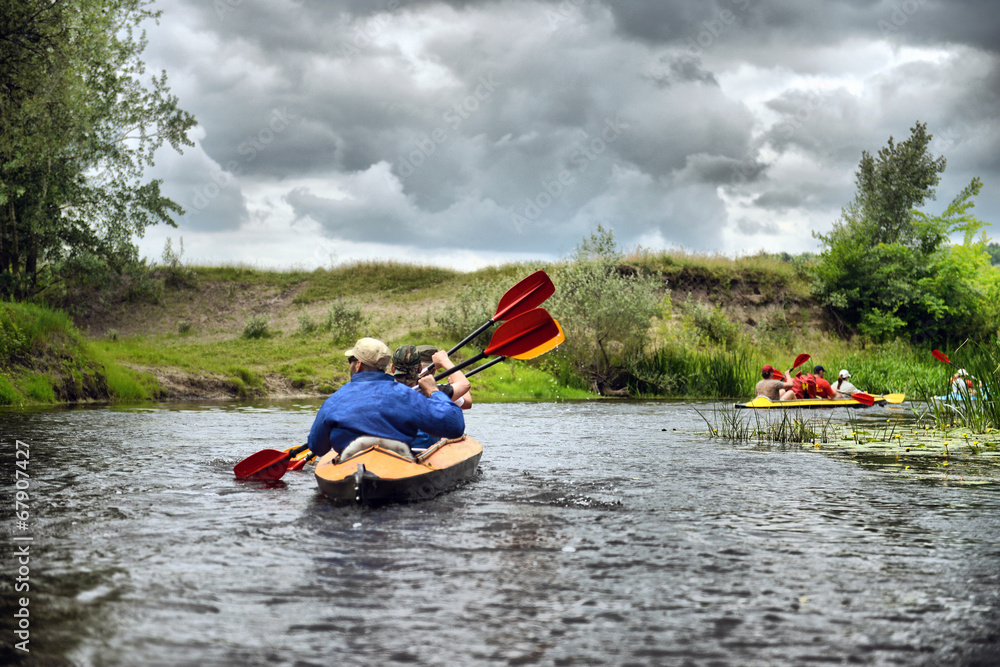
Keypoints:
pixel 764 403
pixel 378 476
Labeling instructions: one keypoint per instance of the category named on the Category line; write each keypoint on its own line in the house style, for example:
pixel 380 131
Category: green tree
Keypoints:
pixel 994 250
pixel 888 269
pixel 78 128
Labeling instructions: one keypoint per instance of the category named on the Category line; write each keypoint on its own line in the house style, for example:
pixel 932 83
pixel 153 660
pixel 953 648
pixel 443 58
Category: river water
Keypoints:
pixel 595 534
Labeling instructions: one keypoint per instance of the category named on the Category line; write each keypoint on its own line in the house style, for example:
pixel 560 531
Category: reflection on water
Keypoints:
pixel 595 533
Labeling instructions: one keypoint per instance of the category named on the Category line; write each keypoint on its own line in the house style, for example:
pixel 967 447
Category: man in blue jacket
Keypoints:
pixel 374 404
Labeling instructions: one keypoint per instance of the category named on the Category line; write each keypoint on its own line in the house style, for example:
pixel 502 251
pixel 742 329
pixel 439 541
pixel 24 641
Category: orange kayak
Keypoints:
pixel 378 476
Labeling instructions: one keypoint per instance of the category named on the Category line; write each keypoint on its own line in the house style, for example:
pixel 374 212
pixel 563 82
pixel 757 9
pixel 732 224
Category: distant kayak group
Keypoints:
pixel 810 389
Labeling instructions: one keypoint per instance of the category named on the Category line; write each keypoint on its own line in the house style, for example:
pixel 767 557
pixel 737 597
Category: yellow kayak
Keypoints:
pixel 764 403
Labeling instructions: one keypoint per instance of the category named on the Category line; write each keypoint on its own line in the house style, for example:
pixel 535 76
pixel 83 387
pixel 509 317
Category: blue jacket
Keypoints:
pixel 373 403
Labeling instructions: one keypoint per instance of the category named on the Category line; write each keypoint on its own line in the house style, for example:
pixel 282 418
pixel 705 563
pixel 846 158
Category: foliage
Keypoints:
pixel 775 329
pixel 307 325
pixel 471 307
pixel 606 310
pixel 175 273
pixel 257 326
pixel 980 411
pixel 994 251
pixel 78 129
pixel 345 320
pixel 680 370
pixel 708 323
pixel 888 270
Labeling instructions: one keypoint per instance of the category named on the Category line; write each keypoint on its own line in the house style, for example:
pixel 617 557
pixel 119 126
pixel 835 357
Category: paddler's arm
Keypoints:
pixel 460 384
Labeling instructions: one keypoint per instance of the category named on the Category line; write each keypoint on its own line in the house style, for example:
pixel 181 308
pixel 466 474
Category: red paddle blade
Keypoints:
pixel 940 356
pixel 525 295
pixel 257 463
pixel 863 398
pixel 801 359
pixel 522 333
pixel 544 347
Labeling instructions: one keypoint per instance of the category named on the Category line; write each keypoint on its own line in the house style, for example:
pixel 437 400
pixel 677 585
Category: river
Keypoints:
pixel 597 533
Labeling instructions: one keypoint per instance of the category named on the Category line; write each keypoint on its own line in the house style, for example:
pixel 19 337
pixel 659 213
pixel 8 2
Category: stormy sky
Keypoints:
pixel 467 133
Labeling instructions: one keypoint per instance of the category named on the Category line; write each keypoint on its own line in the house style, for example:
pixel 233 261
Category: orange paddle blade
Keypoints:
pixel 522 333
pixel 544 347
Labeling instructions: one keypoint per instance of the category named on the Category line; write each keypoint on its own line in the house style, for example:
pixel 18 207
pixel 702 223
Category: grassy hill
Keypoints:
pixel 240 332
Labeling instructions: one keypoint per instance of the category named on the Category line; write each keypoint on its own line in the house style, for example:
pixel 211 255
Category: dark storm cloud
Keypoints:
pixel 529 122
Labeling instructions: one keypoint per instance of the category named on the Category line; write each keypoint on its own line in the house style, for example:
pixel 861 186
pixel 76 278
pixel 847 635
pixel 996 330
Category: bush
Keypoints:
pixel 606 310
pixel 345 320
pixel 709 324
pixel 775 330
pixel 307 325
pixel 472 306
pixel 257 326
pixel 175 274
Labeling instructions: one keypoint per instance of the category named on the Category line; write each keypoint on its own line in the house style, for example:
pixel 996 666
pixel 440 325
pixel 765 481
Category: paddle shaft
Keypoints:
pixel 475 333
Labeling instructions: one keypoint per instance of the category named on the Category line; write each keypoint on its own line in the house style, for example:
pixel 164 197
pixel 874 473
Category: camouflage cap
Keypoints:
pixel 426 352
pixel 406 361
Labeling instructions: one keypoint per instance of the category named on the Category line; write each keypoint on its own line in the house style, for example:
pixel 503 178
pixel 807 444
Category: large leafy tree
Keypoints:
pixel 888 269
pixel 78 127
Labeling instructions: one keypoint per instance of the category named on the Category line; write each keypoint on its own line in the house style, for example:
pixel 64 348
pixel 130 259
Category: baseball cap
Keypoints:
pixel 769 369
pixel 426 352
pixel 406 362
pixel 843 374
pixel 818 369
pixel 371 352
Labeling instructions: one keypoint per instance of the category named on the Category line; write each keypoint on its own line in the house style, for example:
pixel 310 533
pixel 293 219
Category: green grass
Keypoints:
pixel 9 394
pixel 44 360
pixel 39 389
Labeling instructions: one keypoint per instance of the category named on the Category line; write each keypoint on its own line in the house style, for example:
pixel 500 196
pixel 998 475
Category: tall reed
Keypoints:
pixel 976 408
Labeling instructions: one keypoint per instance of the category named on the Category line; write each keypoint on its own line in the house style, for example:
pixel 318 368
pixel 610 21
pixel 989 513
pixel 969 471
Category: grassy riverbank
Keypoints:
pixel 240 332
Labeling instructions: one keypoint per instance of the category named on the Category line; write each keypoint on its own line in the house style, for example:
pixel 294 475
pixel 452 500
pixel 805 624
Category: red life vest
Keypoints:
pixel 804 385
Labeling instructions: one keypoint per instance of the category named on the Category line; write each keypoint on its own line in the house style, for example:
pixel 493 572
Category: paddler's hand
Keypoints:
pixel 441 360
pixel 428 385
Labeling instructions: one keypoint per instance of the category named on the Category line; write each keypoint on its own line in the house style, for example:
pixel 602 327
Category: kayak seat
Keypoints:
pixel 359 445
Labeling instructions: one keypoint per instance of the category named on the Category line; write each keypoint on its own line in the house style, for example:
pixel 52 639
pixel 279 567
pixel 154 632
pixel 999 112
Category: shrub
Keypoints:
pixel 345 320
pixel 257 326
pixel 775 330
pixel 606 310
pixel 175 274
pixel 307 325
pixel 709 324
pixel 472 306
